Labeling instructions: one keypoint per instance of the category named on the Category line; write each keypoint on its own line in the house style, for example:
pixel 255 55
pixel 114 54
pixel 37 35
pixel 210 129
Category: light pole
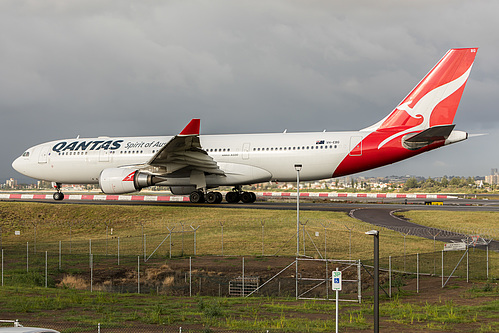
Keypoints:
pixel 375 233
pixel 298 169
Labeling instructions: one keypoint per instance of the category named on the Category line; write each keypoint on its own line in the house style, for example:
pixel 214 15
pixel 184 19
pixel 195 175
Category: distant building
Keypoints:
pixel 11 183
pixel 493 179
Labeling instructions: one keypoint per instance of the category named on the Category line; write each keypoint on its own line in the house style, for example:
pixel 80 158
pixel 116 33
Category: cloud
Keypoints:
pixel 138 68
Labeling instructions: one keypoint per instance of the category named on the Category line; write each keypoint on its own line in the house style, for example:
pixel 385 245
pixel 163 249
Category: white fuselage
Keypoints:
pixel 266 157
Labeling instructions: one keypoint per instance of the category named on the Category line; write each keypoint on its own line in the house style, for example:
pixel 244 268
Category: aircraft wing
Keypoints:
pixel 183 154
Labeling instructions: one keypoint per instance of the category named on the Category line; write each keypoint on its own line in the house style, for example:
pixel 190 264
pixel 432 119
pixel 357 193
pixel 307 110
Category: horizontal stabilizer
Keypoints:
pixel 428 136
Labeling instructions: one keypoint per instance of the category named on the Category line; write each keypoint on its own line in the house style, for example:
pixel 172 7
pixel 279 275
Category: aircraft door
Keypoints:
pixel 103 155
pixel 355 146
pixel 43 157
pixel 246 149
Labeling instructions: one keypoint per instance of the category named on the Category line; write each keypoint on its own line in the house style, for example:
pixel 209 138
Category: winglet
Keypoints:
pixel 192 128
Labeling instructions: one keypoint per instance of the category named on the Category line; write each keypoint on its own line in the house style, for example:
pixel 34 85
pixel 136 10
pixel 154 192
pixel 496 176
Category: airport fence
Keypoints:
pixel 163 260
pixel 213 275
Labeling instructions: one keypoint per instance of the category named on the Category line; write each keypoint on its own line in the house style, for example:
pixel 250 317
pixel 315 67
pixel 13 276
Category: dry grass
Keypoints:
pixel 73 282
pixel 485 223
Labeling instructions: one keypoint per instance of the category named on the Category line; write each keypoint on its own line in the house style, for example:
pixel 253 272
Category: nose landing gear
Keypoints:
pixel 58 195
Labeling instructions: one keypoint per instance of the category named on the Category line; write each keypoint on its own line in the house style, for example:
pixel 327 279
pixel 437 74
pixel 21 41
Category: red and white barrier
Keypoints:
pixel 335 195
pixel 181 198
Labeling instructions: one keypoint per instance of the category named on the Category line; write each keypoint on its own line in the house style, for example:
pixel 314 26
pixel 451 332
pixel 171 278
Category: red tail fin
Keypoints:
pixel 435 99
pixel 421 122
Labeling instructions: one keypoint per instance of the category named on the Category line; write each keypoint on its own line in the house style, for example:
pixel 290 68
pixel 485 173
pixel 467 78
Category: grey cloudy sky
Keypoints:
pixel 126 68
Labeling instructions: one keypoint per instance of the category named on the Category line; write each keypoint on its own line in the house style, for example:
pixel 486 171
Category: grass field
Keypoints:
pixel 461 308
pixel 244 230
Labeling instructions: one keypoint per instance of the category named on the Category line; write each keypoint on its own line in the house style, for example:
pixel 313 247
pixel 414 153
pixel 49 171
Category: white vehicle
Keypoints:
pixel 190 163
pixel 18 328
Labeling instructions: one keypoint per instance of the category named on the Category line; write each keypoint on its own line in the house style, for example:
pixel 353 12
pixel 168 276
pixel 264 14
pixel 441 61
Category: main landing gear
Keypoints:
pixel 213 197
pixel 58 195
pixel 236 196
pixel 210 197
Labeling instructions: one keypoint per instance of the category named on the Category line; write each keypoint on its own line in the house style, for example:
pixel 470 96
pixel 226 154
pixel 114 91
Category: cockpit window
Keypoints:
pixel 26 154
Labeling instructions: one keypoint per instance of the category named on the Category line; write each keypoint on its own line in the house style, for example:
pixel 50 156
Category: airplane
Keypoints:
pixel 194 164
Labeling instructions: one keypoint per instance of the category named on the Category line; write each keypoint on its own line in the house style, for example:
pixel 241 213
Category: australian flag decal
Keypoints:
pixel 319 142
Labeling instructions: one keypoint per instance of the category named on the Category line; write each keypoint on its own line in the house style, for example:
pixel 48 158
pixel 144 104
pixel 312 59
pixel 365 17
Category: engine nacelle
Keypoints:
pixel 120 180
pixel 182 190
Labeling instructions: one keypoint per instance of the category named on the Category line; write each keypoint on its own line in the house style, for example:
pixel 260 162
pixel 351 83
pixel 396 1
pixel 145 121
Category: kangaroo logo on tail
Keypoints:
pixel 435 99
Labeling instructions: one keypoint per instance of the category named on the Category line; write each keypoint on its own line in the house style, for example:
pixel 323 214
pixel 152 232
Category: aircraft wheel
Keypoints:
pixel 253 197
pixel 232 197
pixel 196 197
pixel 213 197
pixel 58 196
pixel 247 197
pixel 219 197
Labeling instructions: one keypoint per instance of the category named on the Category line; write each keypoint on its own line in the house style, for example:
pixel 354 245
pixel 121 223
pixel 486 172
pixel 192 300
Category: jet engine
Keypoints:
pixel 121 180
pixel 182 190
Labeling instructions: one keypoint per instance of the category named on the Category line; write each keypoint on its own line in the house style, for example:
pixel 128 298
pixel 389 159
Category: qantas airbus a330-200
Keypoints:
pixel 190 163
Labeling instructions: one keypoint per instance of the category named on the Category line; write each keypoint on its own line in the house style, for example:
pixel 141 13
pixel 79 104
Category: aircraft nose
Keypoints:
pixel 18 165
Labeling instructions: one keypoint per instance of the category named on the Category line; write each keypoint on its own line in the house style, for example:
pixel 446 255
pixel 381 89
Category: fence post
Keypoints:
pixel 194 230
pixel 417 273
pixel 91 272
pixel 467 266
pixel 138 274
pixel 27 257
pixel 60 250
pixel 488 261
pixel 262 222
pixel 170 230
pixel 359 282
pixel 326 280
pixel 296 273
pixel 118 250
pixel 243 276
pixel 46 269
pixel 190 276
pixel 2 267
pixel 442 268
pixel 390 276
pixel 107 233
pixel 182 225
pixel 349 241
pixel 222 225
pixel 70 240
